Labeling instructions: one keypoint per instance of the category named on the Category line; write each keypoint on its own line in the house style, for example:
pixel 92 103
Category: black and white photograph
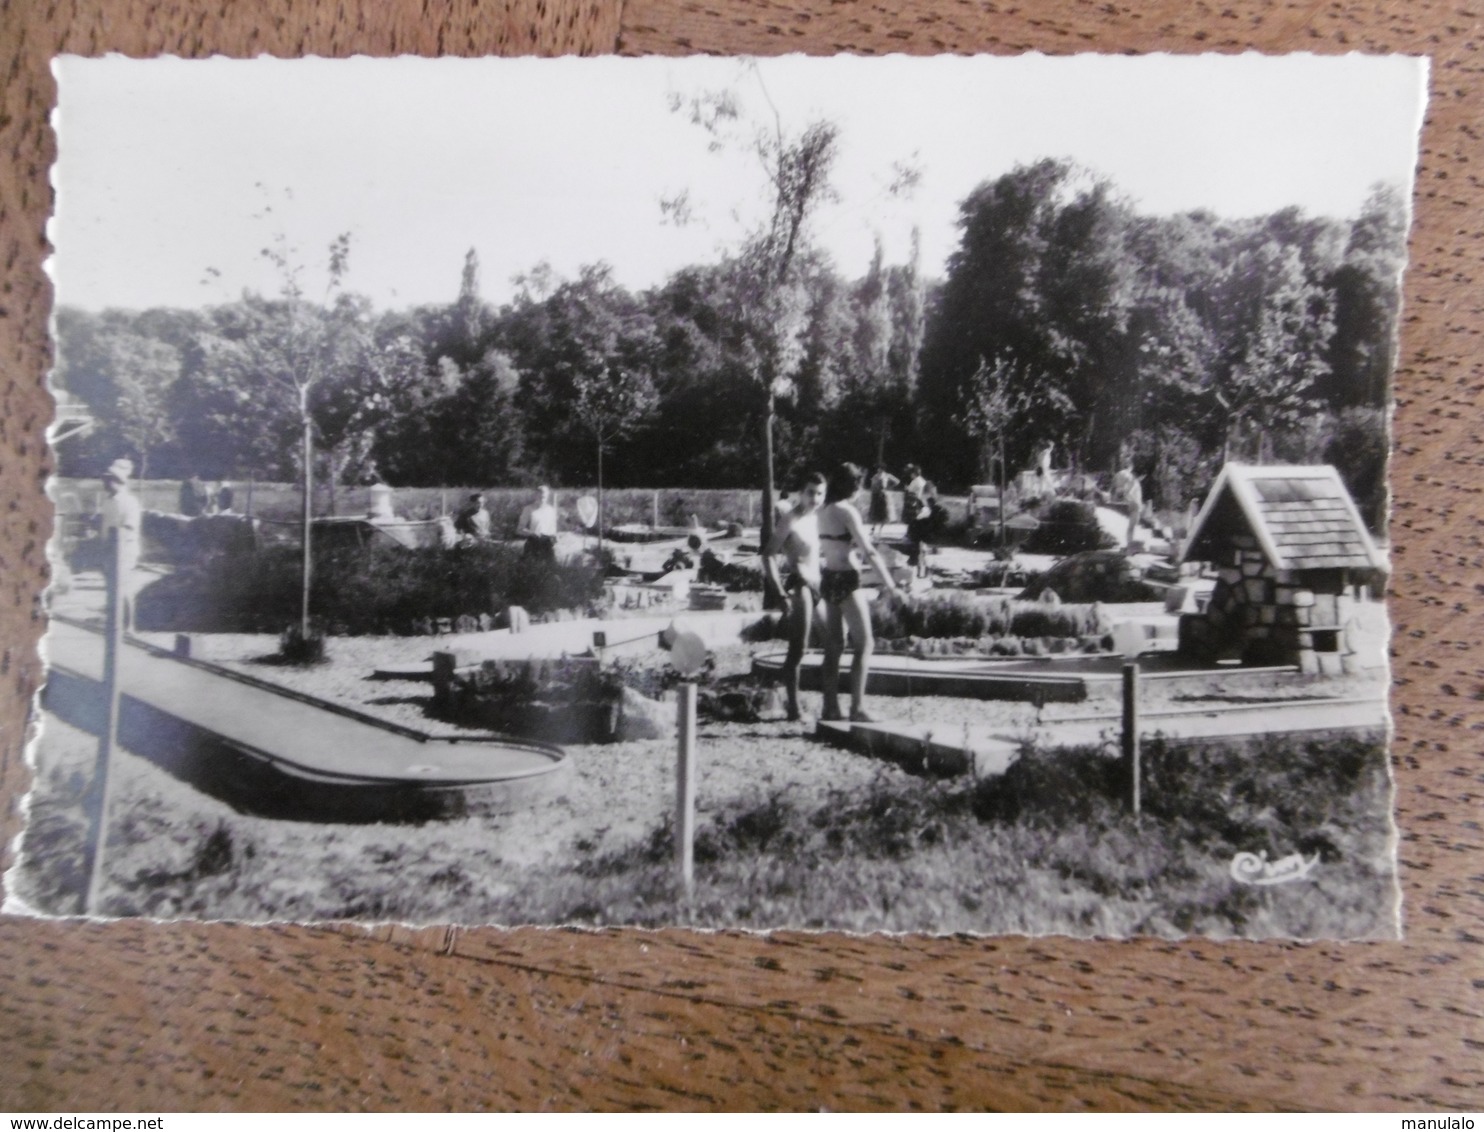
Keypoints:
pixel 935 495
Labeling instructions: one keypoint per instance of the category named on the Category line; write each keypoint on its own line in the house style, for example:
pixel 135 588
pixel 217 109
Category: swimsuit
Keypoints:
pixel 837 585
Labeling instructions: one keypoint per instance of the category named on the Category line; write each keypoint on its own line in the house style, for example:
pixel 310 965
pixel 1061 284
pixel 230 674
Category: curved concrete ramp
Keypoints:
pixel 274 753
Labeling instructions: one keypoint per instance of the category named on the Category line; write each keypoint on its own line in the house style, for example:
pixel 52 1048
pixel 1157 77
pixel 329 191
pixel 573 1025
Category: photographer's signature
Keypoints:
pixel 1255 868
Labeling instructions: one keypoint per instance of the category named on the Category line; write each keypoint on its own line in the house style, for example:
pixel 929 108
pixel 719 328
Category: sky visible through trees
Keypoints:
pixel 1178 338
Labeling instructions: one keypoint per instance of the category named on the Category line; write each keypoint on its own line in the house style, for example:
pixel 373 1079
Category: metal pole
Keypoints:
pixel 1131 729
pixel 685 784
pixel 101 791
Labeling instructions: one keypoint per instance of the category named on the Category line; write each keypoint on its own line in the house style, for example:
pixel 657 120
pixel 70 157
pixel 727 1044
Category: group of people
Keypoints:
pixel 199 498
pixel 823 542
pixel 537 524
pixel 920 508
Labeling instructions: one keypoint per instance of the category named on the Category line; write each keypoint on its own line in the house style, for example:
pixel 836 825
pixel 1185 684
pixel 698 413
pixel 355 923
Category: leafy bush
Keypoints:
pixel 1067 527
pixel 361 590
pixel 1093 576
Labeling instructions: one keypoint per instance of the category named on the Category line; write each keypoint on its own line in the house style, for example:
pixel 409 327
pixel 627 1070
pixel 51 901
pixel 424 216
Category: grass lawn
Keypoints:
pixel 791 840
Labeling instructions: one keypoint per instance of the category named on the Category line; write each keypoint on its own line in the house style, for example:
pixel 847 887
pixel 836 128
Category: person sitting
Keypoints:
pixel 193 497
pixel 473 519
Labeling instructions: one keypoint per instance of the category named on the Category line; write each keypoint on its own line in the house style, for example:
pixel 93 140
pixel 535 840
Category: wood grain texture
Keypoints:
pixel 187 1016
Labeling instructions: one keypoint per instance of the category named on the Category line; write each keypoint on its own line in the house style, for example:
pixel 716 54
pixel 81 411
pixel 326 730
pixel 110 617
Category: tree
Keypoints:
pixel 998 398
pixel 289 354
pixel 612 398
pixel 581 329
pixel 1043 273
pixel 353 401
pixel 1273 327
pixel 1367 291
pixel 770 303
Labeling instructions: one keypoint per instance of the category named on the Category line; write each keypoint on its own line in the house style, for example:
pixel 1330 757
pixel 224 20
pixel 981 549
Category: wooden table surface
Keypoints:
pixel 146 1016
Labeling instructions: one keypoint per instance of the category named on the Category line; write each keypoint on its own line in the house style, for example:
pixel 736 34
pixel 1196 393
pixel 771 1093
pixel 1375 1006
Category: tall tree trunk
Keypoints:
pixel 772 599
pixel 600 502
pixel 1004 487
pixel 334 475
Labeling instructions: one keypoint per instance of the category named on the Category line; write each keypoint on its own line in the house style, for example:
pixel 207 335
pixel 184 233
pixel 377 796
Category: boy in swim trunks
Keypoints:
pixel 796 538
pixel 842 539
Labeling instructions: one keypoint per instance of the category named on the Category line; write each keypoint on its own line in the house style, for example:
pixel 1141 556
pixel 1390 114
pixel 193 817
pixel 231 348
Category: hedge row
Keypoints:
pixel 956 614
pixel 361 591
pixel 994 646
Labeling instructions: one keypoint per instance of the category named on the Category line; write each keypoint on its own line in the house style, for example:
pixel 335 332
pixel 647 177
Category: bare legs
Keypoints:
pixel 851 613
pixel 800 615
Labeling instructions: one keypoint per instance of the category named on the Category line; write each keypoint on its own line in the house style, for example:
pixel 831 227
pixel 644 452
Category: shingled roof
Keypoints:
pixel 1302 517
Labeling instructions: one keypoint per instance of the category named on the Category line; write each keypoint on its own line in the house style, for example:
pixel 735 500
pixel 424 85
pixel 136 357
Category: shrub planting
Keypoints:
pixel 957 615
pixel 1094 575
pixel 1068 526
pixel 359 590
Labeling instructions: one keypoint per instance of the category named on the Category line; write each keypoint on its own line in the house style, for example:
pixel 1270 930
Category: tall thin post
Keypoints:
pixel 308 508
pixel 251 484
pixel 654 521
pixel 101 792
pixel 685 783
pixel 1131 730
pixel 600 500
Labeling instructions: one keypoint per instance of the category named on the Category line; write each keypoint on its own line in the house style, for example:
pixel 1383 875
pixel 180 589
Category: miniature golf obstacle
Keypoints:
pixel 587 510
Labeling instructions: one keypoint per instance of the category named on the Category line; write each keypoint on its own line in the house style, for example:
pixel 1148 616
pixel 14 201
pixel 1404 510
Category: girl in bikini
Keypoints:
pixel 842 540
pixel 796 537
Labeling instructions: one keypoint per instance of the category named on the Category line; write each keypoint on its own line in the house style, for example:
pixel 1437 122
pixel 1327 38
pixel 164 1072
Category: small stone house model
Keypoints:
pixel 1288 546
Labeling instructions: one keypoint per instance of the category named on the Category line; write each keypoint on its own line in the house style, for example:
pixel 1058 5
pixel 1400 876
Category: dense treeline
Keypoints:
pixel 1177 340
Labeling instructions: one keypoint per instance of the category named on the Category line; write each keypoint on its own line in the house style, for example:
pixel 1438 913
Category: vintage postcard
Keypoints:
pixel 870 494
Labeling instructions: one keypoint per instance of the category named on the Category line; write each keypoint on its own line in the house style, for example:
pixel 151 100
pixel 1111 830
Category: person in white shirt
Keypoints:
pixel 538 526
pixel 121 512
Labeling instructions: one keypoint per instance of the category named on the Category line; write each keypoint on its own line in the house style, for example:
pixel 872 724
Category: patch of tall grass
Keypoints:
pixel 1048 847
